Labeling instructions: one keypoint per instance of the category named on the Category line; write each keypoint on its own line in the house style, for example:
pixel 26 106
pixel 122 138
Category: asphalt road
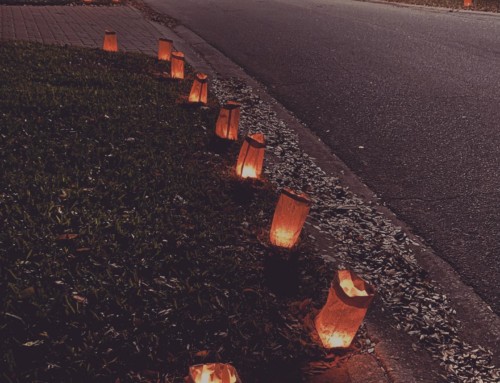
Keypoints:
pixel 409 98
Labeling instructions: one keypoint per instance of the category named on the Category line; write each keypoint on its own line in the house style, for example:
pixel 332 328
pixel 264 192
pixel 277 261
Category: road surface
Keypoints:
pixel 408 97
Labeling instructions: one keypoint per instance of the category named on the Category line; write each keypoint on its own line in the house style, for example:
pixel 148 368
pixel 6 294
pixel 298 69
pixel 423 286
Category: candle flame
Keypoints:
pixel 284 237
pixel 336 340
pixel 205 375
pixel 214 373
pixel 351 290
pixel 249 172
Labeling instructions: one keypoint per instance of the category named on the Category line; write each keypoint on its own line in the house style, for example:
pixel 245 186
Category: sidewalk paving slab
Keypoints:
pixel 80 26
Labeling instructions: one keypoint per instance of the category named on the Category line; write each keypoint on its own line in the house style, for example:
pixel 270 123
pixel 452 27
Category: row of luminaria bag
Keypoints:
pixel 337 324
pixel 165 52
pixel 177 59
pixel 349 296
pixel 165 46
pixel 251 157
pixel 292 209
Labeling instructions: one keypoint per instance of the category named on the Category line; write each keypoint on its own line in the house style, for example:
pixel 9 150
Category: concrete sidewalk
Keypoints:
pixel 80 26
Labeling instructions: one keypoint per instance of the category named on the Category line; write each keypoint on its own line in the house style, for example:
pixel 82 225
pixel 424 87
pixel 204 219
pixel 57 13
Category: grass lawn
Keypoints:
pixel 125 246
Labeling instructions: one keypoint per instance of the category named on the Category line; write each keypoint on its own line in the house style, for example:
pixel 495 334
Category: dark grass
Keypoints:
pixel 167 269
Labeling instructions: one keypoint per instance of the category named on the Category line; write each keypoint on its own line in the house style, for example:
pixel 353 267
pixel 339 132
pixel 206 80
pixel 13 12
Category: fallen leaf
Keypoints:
pixel 68 236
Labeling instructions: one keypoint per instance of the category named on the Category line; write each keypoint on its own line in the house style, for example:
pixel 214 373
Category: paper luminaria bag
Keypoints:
pixel 289 218
pixel 165 49
pixel 348 299
pixel 228 121
pixel 110 43
pixel 177 65
pixel 251 157
pixel 199 89
pixel 213 373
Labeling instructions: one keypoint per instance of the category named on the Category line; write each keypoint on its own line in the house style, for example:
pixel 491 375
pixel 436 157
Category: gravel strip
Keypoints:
pixel 364 241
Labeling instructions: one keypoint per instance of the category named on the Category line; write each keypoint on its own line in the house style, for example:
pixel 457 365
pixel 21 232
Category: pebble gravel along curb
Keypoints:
pixel 363 240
